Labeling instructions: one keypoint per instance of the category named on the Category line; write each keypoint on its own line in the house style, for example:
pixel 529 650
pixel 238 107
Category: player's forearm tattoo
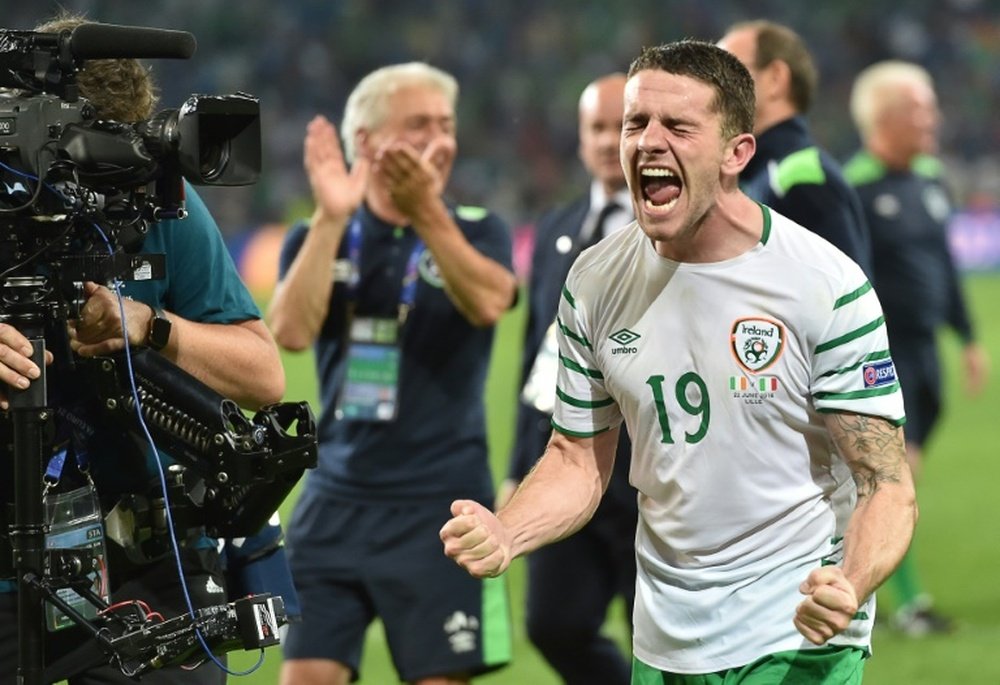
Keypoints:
pixel 873 447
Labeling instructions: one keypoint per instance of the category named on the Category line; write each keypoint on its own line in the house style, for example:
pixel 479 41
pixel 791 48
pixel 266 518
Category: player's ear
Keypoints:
pixel 739 150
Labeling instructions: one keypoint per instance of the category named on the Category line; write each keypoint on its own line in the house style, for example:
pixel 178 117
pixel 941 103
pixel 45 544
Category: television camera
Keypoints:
pixel 65 169
pixel 78 193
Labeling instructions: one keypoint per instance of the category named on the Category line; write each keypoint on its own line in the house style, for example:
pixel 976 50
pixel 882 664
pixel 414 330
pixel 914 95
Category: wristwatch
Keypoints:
pixel 159 329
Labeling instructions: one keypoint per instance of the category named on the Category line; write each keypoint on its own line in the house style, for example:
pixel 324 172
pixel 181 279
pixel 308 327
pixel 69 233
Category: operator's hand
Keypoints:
pixel 415 178
pixel 476 539
pixel 98 330
pixel 16 366
pixel 829 606
pixel 336 191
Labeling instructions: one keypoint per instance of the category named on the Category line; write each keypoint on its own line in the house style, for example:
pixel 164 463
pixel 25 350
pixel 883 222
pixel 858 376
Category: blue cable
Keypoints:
pixel 163 482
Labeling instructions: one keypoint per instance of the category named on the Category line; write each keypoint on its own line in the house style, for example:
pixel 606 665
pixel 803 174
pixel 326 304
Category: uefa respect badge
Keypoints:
pixel 877 374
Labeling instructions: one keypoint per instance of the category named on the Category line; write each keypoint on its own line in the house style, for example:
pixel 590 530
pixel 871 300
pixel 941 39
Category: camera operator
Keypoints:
pixel 201 317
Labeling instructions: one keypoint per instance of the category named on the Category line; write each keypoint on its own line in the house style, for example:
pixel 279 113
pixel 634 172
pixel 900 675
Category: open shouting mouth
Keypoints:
pixel 660 187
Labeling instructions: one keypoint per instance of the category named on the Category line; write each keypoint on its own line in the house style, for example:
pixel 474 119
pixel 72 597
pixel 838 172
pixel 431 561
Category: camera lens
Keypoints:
pixel 213 159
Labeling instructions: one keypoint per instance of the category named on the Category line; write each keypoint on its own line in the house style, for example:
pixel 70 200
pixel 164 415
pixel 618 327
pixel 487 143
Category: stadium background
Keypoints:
pixel 521 65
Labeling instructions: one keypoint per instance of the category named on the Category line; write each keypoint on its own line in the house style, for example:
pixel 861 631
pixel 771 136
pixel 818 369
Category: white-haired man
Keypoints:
pixel 907 207
pixel 399 291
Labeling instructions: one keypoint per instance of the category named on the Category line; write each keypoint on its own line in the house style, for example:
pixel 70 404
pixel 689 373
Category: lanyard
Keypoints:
pixel 408 293
pixel 54 469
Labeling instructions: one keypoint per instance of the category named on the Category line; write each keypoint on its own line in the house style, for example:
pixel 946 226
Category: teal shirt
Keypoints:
pixel 202 282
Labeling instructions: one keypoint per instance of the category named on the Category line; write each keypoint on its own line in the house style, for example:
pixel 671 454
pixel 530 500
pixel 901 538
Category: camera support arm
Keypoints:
pixel 29 416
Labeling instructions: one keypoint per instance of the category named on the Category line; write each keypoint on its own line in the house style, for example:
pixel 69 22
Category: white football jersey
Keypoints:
pixel 721 372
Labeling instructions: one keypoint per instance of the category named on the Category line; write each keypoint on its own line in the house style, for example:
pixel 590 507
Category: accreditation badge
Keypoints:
pixel 75 529
pixel 371 384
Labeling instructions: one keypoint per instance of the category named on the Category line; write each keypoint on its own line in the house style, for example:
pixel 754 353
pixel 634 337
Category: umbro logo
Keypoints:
pixel 625 338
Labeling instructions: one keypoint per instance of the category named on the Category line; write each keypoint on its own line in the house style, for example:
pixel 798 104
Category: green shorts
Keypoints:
pixel 822 666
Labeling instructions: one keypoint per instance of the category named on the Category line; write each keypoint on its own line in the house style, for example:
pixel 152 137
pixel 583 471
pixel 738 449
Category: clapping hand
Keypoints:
pixel 337 191
pixel 414 178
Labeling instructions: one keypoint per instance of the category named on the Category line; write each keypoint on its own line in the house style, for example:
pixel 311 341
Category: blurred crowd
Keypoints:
pixel 521 65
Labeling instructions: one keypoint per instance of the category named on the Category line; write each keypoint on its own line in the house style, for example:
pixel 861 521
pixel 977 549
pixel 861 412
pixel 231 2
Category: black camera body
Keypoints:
pixel 28 125
pixel 64 169
pixel 209 140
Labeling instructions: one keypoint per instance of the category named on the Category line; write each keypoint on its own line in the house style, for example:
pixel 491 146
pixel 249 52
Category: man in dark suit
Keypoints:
pixel 789 172
pixel 572 583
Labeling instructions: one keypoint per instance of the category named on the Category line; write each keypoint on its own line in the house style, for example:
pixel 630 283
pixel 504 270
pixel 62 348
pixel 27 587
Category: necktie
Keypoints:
pixel 602 217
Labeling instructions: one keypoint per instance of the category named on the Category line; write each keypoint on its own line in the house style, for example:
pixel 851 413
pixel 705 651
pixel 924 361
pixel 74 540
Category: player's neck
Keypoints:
pixel 730 228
